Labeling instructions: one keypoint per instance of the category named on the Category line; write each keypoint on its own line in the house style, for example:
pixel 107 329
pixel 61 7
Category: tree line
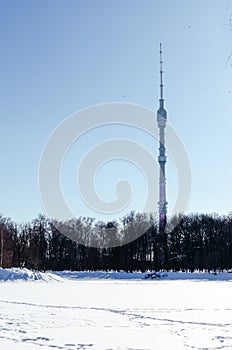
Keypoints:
pixel 135 243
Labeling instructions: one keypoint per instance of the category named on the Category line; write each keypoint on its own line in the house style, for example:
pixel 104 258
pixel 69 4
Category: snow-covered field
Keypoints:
pixel 60 311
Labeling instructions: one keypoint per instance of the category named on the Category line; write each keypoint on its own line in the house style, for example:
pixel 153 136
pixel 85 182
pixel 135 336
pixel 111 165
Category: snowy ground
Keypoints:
pixel 53 312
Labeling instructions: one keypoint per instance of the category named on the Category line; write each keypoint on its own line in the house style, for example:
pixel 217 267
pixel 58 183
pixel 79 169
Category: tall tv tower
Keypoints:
pixel 161 120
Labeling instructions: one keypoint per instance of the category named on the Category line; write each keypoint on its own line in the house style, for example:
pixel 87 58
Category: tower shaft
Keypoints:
pixel 161 120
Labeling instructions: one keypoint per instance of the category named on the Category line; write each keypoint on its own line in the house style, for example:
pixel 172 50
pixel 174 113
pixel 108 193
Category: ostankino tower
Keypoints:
pixel 162 119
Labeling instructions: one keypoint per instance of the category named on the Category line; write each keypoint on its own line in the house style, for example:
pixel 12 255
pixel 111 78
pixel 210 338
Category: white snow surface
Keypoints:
pixel 84 310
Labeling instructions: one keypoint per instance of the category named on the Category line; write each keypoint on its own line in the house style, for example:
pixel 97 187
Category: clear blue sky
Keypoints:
pixel 60 56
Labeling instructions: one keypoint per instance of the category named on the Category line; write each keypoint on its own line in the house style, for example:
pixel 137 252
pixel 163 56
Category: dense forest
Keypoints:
pixel 197 242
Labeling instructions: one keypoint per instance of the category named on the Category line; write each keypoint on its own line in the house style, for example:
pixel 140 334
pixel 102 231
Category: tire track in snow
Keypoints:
pixel 121 312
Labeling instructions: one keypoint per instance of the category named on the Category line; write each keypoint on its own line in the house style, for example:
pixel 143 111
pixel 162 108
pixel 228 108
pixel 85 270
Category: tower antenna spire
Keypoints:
pixel 161 79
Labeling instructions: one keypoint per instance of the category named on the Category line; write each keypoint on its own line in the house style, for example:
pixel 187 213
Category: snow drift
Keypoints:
pixel 17 274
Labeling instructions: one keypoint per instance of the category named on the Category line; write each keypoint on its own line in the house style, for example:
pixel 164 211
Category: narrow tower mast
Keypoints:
pixel 161 120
